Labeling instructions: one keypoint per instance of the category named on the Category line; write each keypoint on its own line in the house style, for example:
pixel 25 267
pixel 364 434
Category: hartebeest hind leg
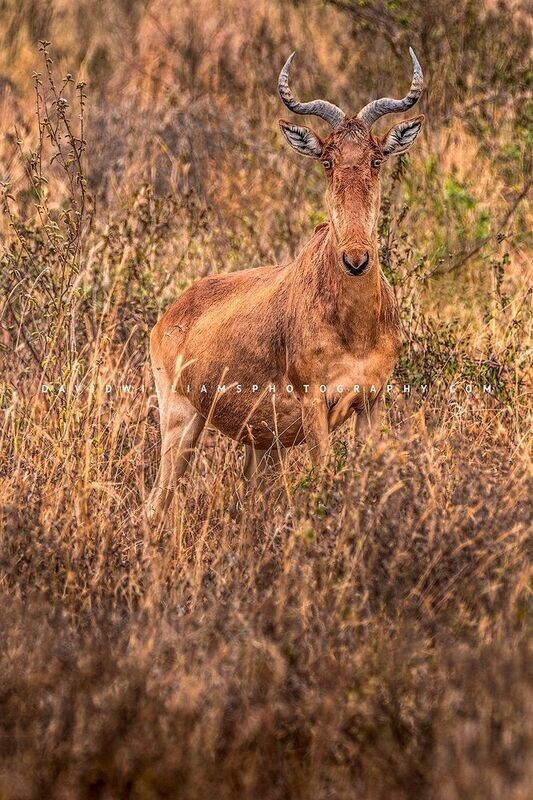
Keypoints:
pixel 181 425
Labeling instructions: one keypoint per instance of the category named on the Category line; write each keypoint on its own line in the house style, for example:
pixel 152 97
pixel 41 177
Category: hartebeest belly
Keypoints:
pixel 242 370
pixel 323 330
pixel 225 360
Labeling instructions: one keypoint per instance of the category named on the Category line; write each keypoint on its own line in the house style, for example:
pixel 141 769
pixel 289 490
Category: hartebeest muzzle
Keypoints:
pixel 356 266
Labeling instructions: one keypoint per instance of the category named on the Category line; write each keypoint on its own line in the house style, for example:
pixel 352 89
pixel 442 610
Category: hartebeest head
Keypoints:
pixel 352 156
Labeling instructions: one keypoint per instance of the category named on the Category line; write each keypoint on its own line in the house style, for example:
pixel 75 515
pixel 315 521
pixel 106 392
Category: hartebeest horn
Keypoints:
pixel 319 108
pixel 386 105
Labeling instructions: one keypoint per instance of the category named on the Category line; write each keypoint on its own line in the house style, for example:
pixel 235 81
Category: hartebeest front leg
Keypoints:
pixel 257 460
pixel 181 425
pixel 316 428
pixel 369 419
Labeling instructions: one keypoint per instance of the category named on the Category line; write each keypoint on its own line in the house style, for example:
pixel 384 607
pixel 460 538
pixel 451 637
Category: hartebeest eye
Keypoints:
pixel 327 163
pixel 376 162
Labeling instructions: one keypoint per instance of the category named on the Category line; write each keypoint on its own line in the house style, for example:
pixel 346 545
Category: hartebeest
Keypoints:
pixel 325 321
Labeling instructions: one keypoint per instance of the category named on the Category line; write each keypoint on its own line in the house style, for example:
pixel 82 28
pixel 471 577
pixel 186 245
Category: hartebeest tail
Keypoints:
pixel 280 355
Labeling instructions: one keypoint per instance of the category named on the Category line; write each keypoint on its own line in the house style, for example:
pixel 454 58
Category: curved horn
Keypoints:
pixel 386 105
pixel 320 108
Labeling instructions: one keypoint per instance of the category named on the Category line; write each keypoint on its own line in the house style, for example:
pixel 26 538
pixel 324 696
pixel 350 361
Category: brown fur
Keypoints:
pixel 305 323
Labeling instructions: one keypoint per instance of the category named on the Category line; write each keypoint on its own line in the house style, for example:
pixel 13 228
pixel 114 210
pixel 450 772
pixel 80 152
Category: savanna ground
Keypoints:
pixel 367 634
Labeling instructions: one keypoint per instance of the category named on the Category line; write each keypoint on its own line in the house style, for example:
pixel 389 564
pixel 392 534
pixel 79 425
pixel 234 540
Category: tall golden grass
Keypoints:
pixel 360 633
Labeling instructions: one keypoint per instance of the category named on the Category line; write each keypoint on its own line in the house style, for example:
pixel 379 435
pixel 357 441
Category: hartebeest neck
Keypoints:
pixel 351 303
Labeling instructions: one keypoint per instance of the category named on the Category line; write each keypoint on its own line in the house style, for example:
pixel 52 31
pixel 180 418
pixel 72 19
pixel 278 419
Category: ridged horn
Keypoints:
pixel 387 105
pixel 319 108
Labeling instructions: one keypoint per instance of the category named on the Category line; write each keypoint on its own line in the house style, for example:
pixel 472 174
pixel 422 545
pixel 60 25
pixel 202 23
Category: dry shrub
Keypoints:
pixel 363 633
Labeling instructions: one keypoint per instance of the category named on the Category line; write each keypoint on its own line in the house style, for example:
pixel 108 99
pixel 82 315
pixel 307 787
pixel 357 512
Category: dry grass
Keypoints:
pixel 363 633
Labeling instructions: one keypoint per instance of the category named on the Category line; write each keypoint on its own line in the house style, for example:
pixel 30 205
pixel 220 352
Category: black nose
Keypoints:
pixel 356 268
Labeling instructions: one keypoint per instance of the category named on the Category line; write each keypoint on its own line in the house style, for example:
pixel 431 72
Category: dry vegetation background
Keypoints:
pixel 364 634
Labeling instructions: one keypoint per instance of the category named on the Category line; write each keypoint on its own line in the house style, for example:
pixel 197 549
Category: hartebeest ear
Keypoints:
pixel 401 137
pixel 302 139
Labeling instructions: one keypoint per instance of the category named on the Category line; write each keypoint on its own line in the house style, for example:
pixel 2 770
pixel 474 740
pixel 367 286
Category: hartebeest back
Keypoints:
pixel 263 353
